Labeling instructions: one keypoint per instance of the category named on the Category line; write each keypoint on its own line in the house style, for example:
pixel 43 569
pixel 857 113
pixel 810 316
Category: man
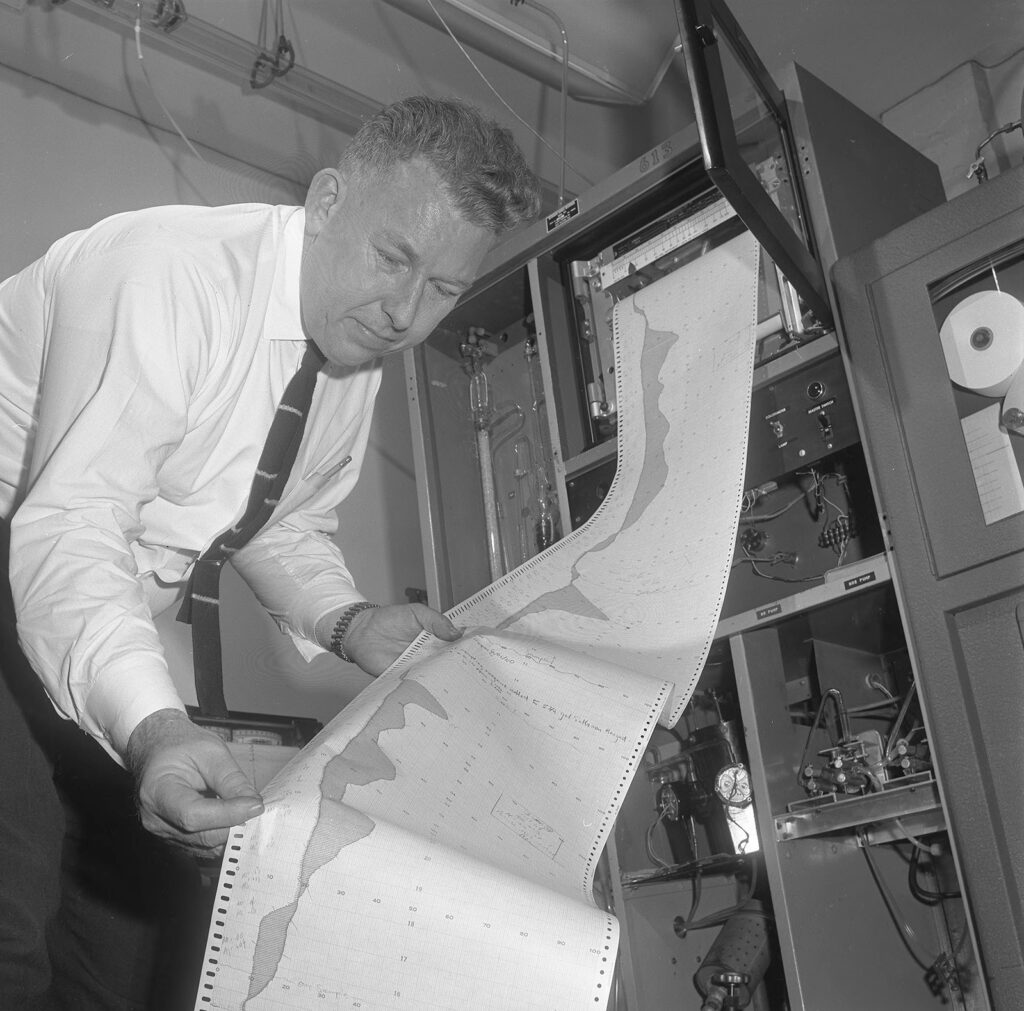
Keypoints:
pixel 141 363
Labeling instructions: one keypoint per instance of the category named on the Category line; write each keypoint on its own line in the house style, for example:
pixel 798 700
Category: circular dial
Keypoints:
pixel 732 784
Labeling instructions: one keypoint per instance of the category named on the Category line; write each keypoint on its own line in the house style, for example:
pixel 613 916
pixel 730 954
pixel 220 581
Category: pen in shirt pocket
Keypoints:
pixel 320 478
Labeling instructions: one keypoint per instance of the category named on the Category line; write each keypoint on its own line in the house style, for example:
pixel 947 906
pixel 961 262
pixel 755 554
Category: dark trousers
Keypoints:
pixel 95 913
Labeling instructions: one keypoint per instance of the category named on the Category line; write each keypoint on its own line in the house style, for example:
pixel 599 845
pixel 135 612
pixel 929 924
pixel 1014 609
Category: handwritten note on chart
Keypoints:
pixel 435 846
pixel 996 474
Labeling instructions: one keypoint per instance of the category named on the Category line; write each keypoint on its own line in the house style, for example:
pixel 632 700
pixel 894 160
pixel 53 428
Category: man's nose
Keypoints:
pixel 401 302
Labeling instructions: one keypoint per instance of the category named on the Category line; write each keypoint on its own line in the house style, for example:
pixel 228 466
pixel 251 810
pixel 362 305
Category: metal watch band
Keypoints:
pixel 340 629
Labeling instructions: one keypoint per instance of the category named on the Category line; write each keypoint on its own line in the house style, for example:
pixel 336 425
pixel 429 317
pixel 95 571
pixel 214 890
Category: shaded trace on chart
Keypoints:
pixel 360 762
pixel 650 481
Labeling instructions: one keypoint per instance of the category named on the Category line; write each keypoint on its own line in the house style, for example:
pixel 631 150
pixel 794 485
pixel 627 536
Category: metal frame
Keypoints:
pixel 959 581
pixel 702 23
pixel 830 916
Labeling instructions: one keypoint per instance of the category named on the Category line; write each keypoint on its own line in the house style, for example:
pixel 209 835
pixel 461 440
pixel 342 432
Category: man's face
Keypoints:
pixel 383 262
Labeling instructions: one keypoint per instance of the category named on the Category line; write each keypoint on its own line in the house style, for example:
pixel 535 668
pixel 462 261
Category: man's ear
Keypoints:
pixel 326 191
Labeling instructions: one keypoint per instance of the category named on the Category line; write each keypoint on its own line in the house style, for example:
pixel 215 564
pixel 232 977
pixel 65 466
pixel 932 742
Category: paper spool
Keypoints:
pixel 983 341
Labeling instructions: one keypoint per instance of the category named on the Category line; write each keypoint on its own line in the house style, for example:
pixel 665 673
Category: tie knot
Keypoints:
pixel 313 358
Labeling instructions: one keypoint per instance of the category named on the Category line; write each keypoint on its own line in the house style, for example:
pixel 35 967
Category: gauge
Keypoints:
pixel 732 784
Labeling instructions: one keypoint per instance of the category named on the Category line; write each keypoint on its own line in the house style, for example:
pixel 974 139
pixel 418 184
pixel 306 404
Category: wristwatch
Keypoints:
pixel 340 629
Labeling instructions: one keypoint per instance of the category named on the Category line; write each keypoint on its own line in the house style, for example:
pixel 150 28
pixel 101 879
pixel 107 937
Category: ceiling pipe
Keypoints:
pixel 491 35
pixel 233 58
pixel 565 83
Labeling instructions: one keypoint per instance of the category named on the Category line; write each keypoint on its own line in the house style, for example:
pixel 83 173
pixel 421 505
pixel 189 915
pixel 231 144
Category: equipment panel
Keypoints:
pixel 772 827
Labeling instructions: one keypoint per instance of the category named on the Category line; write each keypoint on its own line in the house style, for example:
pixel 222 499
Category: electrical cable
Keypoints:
pixel 919 846
pixel 907 933
pixel 870 707
pixel 741 847
pixel 649 841
pixel 817 489
pixel 876 682
pixel 145 74
pixel 779 558
pixel 922 894
pixel 698 890
pixel 830 694
pixel 565 81
pixel 764 517
pixel 716 919
pixel 498 96
pixel 753 560
pixel 978 165
pixel 683 924
pixel 840 517
pixel 901 716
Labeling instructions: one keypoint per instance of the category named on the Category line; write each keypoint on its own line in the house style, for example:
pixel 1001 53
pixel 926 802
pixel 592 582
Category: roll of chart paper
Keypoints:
pixel 983 341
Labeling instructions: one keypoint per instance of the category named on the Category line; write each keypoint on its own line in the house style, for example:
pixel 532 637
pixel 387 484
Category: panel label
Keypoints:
pixel 654 158
pixel 565 213
pixel 861 580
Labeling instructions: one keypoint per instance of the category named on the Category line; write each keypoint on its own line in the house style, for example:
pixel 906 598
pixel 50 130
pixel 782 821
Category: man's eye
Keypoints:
pixel 387 259
pixel 446 292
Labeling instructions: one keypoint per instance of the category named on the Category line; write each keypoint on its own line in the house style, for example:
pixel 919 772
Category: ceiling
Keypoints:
pixel 878 52
pixel 875 52
pixel 618 50
pixel 627 86
pixel 627 83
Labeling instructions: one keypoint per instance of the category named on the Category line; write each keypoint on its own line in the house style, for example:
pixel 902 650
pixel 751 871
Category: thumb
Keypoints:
pixel 438 625
pixel 448 631
pixel 228 781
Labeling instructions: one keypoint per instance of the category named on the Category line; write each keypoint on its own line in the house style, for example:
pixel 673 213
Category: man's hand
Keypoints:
pixel 377 637
pixel 190 789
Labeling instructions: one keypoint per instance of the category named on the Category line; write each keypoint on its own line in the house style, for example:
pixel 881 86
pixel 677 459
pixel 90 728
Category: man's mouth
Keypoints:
pixel 374 336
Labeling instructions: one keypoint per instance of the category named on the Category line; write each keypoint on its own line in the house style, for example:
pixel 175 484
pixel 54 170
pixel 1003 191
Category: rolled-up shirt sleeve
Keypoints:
pixel 115 395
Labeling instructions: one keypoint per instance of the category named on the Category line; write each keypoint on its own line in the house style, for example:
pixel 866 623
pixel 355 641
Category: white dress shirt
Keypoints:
pixel 142 361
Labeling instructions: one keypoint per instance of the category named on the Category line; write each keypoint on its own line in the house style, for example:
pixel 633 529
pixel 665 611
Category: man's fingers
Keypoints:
pixel 199 824
pixel 190 788
pixel 436 623
pixel 180 807
pixel 205 814
pixel 446 630
pixel 231 783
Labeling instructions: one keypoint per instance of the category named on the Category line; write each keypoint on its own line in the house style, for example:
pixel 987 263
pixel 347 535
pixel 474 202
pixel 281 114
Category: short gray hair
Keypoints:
pixel 480 165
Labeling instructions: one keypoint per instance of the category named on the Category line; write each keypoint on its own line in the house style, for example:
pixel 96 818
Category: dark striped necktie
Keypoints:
pixel 201 606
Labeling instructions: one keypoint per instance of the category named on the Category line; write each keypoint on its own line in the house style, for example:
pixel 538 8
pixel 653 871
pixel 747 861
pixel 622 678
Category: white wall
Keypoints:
pixel 65 46
pixel 951 117
pixel 65 162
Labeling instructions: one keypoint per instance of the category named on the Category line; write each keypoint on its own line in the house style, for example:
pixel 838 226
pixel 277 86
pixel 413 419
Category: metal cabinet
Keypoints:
pixel 947 474
pixel 794 815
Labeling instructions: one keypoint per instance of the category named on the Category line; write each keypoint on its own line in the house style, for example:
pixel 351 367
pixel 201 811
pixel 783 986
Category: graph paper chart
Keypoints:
pixel 642 582
pixel 439 833
pixel 435 845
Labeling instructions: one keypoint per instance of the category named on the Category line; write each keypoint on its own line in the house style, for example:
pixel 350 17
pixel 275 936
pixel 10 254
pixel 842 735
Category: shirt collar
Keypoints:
pixel 284 319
